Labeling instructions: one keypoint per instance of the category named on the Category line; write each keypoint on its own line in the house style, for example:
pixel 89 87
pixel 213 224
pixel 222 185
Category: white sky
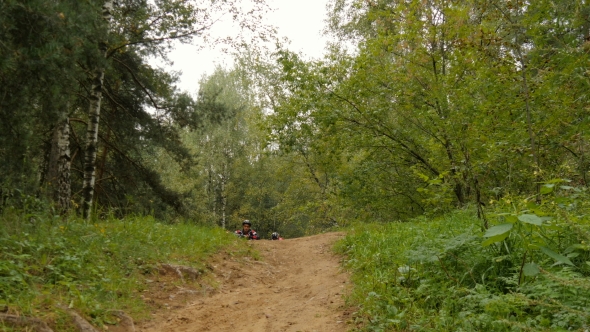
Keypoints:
pixel 299 20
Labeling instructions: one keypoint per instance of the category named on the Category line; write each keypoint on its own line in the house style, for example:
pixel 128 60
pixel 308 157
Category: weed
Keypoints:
pixel 94 268
pixel 444 274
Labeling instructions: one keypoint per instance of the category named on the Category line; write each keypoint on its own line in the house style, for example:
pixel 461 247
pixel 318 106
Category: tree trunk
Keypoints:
pixel 211 193
pixel 94 116
pixel 92 142
pixel 58 170
pixel 223 196
pixel 105 151
pixel 63 167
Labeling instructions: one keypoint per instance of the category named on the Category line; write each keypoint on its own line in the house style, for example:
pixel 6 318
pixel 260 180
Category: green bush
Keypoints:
pixel 446 274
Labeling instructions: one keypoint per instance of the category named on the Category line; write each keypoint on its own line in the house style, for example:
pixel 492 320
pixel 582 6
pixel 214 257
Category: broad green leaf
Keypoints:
pixel 423 177
pixel 558 257
pixel 498 230
pixel 531 269
pixel 494 239
pixel 511 219
pixel 547 188
pixel 574 247
pixel 557 181
pixel 530 219
pixel 562 200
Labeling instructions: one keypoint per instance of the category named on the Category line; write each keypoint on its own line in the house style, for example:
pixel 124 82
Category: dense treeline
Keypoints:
pixel 82 109
pixel 444 102
pixel 417 108
pixel 422 107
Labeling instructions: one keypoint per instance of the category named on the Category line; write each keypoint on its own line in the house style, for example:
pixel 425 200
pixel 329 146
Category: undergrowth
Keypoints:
pixel 528 270
pixel 47 263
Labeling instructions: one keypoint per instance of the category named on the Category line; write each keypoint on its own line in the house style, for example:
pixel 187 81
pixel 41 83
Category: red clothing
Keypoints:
pixel 251 234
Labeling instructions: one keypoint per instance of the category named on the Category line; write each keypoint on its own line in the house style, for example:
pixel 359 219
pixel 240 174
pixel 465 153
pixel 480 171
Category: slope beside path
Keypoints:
pixel 297 285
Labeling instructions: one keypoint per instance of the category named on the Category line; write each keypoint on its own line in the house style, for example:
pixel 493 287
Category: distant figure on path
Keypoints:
pixel 247 232
pixel 276 236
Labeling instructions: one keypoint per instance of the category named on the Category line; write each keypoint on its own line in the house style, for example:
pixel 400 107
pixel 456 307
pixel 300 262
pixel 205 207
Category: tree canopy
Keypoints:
pixel 417 108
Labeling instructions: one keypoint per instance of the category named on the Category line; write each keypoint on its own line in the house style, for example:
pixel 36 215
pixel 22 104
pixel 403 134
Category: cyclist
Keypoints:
pixel 247 231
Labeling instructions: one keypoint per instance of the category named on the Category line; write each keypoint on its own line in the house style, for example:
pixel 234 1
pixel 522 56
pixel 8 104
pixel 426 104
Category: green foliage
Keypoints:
pixel 94 268
pixel 446 275
pixel 49 52
pixel 439 106
pixel 42 44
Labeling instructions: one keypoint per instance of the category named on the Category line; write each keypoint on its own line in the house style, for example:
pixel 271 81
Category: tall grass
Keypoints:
pixel 435 275
pixel 47 262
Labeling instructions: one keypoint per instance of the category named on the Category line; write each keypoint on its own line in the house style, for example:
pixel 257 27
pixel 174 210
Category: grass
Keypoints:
pixel 95 268
pixel 435 275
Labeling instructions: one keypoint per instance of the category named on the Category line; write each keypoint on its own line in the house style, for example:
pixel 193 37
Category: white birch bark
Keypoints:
pixel 211 192
pixel 63 167
pixel 223 196
pixel 58 169
pixel 94 116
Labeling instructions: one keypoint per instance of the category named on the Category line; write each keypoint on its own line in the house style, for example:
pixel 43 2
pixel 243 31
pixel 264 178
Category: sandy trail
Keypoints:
pixel 297 285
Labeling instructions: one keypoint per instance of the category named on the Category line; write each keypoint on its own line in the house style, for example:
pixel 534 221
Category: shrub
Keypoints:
pixel 528 271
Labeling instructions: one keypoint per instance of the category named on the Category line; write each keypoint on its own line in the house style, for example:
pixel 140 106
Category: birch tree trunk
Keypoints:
pixel 224 178
pixel 94 116
pixel 63 167
pixel 58 172
pixel 211 192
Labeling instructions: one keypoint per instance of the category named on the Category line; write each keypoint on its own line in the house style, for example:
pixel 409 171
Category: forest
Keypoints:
pixel 448 138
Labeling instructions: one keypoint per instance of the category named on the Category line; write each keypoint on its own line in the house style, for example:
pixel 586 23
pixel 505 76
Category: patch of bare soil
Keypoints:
pixel 297 285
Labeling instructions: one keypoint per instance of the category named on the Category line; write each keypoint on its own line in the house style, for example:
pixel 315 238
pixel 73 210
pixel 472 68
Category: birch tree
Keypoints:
pixel 150 28
pixel 62 61
pixel 225 138
pixel 95 99
pixel 58 175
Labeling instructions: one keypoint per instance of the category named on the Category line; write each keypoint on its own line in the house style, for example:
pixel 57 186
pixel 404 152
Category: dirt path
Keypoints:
pixel 297 285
